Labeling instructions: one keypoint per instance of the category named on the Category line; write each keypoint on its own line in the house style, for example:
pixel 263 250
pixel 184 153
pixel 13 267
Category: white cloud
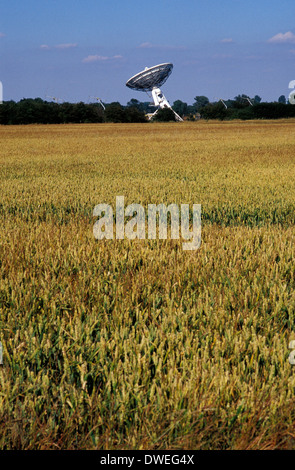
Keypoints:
pixel 98 58
pixel 227 40
pixel 283 37
pixel 59 46
pixel 146 45
pixel 94 58
pixel 149 45
pixel 66 46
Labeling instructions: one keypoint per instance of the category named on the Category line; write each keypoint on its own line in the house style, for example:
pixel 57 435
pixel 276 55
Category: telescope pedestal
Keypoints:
pixel 161 102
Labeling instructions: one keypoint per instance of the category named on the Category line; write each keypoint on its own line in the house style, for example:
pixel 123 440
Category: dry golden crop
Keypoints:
pixel 137 344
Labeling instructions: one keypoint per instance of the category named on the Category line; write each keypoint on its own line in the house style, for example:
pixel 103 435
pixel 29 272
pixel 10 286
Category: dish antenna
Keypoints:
pixel 54 98
pixel 222 101
pixel 150 79
pixel 217 100
pixel 99 100
pixel 248 99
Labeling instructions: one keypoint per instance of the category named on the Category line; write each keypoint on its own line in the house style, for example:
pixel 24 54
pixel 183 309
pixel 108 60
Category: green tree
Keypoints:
pixel 214 111
pixel 134 104
pixel 180 107
pixel 134 114
pixel 282 99
pixel 164 115
pixel 200 102
pixel 242 99
pixel 257 99
pixel 114 112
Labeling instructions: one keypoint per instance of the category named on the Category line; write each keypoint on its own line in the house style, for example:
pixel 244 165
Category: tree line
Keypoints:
pixel 38 111
pixel 243 107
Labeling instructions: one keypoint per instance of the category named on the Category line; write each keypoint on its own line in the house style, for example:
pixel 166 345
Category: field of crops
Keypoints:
pixel 137 344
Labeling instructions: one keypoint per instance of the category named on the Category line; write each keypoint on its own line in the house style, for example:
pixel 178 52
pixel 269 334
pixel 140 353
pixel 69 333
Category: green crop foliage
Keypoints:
pixel 137 344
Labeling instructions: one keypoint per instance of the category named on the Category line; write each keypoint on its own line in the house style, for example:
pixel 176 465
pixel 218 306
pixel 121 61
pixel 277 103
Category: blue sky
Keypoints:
pixel 74 50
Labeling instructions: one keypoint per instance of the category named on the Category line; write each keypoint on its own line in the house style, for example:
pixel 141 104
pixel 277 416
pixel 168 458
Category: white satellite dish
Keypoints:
pixel 249 101
pixel 99 101
pixel 222 101
pixel 150 79
pixel 54 98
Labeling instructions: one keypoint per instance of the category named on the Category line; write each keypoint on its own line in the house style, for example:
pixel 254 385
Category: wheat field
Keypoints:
pixel 137 344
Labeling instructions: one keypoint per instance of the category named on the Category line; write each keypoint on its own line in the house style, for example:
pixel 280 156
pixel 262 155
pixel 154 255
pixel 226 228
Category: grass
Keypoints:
pixel 138 344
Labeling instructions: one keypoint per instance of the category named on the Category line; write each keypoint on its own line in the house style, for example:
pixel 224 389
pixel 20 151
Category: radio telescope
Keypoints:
pixel 150 79
pixel 99 101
